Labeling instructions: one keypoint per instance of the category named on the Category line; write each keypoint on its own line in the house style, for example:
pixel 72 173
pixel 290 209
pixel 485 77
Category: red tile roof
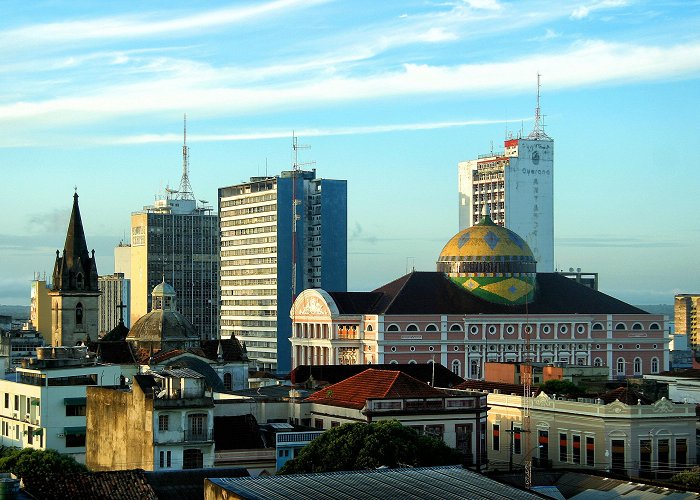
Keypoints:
pixel 373 384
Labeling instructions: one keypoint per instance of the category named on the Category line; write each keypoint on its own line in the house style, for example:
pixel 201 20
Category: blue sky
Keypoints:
pixel 390 95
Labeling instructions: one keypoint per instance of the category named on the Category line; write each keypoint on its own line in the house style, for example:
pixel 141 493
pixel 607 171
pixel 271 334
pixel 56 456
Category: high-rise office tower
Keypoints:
pixel 516 187
pixel 114 302
pixel 279 236
pixel 177 240
pixel 685 311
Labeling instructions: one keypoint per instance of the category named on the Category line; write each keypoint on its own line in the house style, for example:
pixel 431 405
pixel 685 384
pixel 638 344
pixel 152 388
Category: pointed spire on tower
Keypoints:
pixel 75 269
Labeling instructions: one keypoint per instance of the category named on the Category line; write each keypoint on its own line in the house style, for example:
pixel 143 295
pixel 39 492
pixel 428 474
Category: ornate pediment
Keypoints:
pixel 616 406
pixel 543 400
pixel 663 405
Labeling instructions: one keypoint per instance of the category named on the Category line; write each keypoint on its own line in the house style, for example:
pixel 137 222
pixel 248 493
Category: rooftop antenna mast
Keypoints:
pixel 185 191
pixel 296 170
pixel 538 129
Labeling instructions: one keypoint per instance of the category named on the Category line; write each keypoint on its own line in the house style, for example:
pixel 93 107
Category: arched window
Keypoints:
pixel 637 366
pixel 597 326
pixel 598 362
pixel 456 368
pixel 654 326
pixel 620 326
pixel 369 328
pixel 456 327
pixel 79 314
pixel 393 362
pixel 654 365
pixel 431 328
pixel 620 366
pixel 412 362
pixel 79 283
pixel 637 326
pixel 228 381
pixel 412 328
pixel 474 368
pixel 392 328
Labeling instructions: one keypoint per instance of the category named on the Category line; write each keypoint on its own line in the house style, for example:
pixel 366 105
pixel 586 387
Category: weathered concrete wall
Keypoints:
pixel 119 429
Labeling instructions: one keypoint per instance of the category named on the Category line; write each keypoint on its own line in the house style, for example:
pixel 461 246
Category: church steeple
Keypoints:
pixel 75 293
pixel 76 269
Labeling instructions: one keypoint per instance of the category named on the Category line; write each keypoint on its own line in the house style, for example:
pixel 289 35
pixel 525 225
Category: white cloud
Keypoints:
pixel 148 25
pixel 311 132
pixel 210 91
pixel 583 11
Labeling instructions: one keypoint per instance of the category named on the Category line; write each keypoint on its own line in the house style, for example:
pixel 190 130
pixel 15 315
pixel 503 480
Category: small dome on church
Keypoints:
pixel 164 327
pixel 491 262
pixel 163 288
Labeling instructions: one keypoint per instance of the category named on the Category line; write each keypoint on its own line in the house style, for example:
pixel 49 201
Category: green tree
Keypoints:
pixel 562 387
pixel 359 446
pixel 28 462
pixel 688 478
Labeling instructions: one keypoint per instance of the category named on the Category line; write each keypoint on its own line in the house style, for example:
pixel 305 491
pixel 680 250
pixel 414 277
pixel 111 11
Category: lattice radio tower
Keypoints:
pixel 185 190
pixel 538 129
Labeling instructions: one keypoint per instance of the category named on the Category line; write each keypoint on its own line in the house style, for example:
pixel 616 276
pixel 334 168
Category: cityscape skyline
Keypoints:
pixel 390 98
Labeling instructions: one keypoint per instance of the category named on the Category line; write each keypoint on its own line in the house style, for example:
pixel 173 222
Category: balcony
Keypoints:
pixel 193 436
pixel 186 436
pixel 175 402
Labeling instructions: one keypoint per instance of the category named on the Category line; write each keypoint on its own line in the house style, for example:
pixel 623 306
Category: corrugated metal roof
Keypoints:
pixel 422 483
pixel 180 373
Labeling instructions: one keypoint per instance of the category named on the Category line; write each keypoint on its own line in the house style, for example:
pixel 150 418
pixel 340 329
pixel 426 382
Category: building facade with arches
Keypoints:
pixel 483 304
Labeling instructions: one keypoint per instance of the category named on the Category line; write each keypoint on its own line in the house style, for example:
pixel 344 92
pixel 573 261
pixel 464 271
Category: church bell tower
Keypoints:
pixel 75 292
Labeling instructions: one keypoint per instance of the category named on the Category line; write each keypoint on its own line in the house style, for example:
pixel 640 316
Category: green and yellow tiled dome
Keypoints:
pixel 491 262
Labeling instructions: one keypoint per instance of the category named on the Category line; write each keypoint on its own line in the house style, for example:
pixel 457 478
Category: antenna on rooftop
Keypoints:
pixel 538 129
pixel 185 191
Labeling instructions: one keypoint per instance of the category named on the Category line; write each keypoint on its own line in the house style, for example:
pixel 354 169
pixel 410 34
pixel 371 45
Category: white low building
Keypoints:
pixel 43 402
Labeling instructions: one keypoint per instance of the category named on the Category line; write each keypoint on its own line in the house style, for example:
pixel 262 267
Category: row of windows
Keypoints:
pixel 250 262
pixel 248 322
pixel 246 241
pixel 511 328
pixel 255 302
pixel 247 292
pixel 246 282
pixel 636 366
pixel 249 272
pixel 622 326
pixel 249 210
pixel 249 220
pixel 248 251
pixel 248 200
pixel 250 230
pixel 249 312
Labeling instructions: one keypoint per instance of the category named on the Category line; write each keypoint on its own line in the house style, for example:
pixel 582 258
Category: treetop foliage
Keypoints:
pixel 360 446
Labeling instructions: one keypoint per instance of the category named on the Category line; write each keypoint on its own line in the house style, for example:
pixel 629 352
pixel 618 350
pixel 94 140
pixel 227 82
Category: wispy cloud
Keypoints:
pixel 144 25
pixel 209 91
pixel 615 242
pixel 583 11
pixel 309 132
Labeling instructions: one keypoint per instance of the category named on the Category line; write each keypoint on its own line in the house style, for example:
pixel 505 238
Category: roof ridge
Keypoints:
pixel 397 374
pixel 405 279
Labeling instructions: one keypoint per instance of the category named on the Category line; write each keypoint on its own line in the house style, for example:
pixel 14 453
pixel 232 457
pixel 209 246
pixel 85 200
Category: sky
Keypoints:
pixel 389 95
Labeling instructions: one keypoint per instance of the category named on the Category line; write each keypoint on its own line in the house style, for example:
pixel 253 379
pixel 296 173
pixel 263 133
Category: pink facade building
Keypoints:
pixel 481 305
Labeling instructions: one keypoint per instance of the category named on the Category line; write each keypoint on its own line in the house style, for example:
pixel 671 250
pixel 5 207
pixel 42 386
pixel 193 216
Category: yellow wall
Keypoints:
pixel 140 294
pixel 41 309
